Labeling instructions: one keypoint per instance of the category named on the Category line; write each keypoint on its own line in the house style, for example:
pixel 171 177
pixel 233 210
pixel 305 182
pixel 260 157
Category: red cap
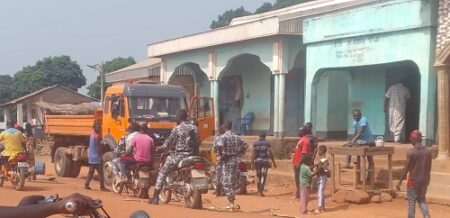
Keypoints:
pixel 416 134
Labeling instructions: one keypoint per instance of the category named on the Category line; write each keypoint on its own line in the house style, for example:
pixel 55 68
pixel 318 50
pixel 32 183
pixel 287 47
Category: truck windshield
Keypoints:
pixel 161 108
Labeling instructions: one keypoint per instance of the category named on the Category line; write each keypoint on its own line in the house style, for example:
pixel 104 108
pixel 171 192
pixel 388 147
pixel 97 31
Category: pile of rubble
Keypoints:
pixel 362 197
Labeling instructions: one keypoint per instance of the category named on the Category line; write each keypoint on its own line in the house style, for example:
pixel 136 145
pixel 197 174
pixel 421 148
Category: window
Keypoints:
pixel 155 107
pixel 107 104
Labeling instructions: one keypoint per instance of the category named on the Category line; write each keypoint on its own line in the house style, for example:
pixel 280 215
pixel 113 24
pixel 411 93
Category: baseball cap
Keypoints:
pixel 416 134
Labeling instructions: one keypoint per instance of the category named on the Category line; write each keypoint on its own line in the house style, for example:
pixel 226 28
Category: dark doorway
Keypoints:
pixel 230 98
pixel 294 109
pixel 411 76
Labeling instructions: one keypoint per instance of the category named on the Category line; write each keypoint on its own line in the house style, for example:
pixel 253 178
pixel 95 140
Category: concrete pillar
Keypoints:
pixel 6 114
pixel 281 102
pixel 29 105
pixel 215 96
pixel 443 111
pixel 19 113
pixel 276 105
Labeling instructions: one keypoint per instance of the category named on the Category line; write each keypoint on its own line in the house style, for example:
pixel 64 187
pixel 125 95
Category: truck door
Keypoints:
pixel 202 112
pixel 117 125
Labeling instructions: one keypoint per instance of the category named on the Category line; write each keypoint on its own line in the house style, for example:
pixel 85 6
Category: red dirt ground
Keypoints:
pixel 278 199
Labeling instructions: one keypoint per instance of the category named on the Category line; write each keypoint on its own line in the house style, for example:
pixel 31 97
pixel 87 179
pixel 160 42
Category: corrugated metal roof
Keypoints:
pixel 281 21
pixel 143 69
pixel 40 91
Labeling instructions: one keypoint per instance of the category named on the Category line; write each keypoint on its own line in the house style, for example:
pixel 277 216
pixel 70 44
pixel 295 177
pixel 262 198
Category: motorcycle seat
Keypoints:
pixel 189 161
pixel 140 165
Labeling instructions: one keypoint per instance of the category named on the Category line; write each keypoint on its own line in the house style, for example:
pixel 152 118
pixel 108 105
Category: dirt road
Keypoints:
pixel 278 199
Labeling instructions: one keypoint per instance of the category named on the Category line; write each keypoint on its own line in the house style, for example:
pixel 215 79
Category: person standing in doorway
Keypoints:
pixel 262 151
pixel 302 148
pixel 418 166
pixel 95 158
pixel 395 104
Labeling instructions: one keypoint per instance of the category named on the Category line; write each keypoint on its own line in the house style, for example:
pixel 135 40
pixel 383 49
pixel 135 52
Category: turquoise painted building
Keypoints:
pixel 312 62
pixel 355 55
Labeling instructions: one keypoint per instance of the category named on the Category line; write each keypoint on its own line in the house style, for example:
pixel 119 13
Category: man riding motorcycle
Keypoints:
pixel 142 145
pixel 186 140
pixel 13 142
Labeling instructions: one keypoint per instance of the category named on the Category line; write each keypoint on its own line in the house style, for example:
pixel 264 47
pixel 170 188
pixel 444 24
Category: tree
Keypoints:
pixel 60 70
pixel 108 67
pixel 267 6
pixel 227 16
pixel 5 88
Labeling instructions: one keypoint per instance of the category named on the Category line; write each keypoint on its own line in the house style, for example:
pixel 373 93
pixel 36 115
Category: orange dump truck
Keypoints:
pixel 155 104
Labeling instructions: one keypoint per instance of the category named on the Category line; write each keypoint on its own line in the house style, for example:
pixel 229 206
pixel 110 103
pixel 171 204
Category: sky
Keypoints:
pixel 100 30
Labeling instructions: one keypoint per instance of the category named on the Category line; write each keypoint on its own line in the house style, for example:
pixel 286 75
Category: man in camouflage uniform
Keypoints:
pixel 185 140
pixel 229 147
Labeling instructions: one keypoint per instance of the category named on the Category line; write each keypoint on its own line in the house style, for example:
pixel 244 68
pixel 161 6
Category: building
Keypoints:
pixel 53 94
pixel 312 62
pixel 148 69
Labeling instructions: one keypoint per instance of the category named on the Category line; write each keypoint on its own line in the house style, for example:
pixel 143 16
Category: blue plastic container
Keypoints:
pixel 39 168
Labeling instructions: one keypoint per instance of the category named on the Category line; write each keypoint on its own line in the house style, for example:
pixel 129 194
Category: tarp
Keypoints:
pixel 69 109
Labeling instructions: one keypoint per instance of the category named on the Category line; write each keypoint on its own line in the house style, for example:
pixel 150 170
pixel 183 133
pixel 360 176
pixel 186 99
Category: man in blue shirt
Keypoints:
pixel 362 137
pixel 95 158
pixel 262 151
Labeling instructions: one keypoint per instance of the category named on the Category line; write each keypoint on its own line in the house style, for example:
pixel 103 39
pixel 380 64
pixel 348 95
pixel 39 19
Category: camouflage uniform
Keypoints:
pixel 230 146
pixel 186 140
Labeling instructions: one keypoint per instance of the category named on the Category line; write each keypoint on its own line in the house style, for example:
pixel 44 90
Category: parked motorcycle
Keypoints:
pixel 138 175
pixel 16 171
pixel 241 184
pixel 188 180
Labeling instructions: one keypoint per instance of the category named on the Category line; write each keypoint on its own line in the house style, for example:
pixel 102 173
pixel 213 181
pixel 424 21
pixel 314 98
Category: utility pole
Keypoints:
pixel 99 68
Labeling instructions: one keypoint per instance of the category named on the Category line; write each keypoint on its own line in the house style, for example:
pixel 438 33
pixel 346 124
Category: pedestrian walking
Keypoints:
pixel 305 176
pixel 418 169
pixel 395 104
pixel 323 172
pixel 95 158
pixel 229 147
pixel 302 148
pixel 262 151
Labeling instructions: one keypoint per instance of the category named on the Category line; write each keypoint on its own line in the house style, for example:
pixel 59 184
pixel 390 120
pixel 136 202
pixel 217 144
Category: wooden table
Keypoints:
pixel 361 151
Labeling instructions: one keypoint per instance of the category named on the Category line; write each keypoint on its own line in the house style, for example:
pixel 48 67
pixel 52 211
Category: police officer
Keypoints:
pixel 229 147
pixel 186 140
pixel 218 168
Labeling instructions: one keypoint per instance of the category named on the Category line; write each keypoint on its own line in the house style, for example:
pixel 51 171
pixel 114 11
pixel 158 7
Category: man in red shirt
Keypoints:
pixel 303 147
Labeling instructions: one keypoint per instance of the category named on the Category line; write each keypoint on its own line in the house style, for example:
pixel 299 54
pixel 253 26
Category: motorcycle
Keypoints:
pixel 16 171
pixel 188 180
pixel 138 175
pixel 241 174
pixel 97 212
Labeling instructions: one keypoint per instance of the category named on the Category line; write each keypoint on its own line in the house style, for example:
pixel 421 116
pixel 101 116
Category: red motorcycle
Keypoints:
pixel 16 171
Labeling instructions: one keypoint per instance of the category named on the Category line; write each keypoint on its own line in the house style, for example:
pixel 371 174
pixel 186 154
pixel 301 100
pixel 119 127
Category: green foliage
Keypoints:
pixel 5 88
pixel 50 71
pixel 108 67
pixel 227 16
pixel 267 6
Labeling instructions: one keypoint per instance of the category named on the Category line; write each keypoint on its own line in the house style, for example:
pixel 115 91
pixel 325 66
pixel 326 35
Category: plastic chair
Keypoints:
pixel 244 123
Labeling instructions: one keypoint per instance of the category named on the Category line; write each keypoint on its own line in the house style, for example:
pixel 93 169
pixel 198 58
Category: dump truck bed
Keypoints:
pixel 74 125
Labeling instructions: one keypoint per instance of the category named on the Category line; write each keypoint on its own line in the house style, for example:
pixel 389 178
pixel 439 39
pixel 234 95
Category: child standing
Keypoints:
pixel 305 182
pixel 323 173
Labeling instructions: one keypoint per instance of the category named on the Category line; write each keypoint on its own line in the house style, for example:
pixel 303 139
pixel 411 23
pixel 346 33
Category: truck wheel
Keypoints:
pixel 76 168
pixel 63 163
pixel 108 173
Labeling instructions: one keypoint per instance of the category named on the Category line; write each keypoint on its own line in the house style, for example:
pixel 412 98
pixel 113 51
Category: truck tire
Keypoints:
pixel 107 171
pixel 63 163
pixel 76 168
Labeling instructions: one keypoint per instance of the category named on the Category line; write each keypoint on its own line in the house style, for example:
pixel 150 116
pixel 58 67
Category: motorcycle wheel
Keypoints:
pixel 19 184
pixel 107 171
pixel 117 188
pixel 165 196
pixel 212 181
pixel 194 201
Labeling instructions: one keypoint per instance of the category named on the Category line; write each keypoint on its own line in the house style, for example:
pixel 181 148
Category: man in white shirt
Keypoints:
pixel 395 103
